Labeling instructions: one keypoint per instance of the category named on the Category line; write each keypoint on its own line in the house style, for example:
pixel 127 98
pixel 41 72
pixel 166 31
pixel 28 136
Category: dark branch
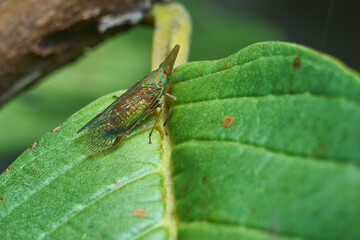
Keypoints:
pixel 38 37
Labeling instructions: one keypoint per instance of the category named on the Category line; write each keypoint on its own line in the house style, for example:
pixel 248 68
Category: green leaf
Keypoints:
pixel 59 189
pixel 265 146
pixel 288 164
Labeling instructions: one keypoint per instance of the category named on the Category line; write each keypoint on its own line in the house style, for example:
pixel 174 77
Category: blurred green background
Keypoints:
pixel 220 28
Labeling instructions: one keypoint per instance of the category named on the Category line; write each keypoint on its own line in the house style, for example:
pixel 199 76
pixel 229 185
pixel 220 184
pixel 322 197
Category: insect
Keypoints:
pixel 113 124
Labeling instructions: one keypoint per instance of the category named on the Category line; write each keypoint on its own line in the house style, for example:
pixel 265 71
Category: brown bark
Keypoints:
pixel 37 37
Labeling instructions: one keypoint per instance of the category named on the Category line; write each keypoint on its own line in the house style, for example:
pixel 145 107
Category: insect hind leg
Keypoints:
pixel 172 106
pixel 159 104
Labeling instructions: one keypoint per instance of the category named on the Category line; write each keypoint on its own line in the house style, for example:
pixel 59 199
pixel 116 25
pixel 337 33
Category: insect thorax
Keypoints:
pixel 156 78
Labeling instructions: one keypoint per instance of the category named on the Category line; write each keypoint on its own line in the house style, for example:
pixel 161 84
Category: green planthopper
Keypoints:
pixel 112 125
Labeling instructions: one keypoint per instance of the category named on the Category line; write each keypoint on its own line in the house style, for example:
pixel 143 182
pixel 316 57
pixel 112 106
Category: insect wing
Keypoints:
pixel 107 111
pixel 131 127
pixel 99 138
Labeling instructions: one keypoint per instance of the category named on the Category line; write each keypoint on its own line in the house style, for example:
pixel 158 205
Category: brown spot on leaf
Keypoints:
pixel 228 121
pixel 315 157
pixel 140 212
pixel 1 198
pixel 186 189
pixel 57 128
pixel 199 74
pixel 227 65
pixel 322 147
pixel 34 145
pixel 7 169
pixel 297 63
pixel 204 179
pixel 182 165
pixel 319 151
pixel 32 171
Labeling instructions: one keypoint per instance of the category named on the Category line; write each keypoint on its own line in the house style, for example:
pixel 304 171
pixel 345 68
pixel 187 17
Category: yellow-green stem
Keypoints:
pixel 172 26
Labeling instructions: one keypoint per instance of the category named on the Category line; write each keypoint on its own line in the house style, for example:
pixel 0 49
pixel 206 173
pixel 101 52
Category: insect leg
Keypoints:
pixel 167 118
pixel 160 104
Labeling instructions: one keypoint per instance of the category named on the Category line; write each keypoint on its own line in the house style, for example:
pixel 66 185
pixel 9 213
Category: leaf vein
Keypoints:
pixel 101 196
pixel 66 167
pixel 245 227
pixel 337 98
pixel 288 154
